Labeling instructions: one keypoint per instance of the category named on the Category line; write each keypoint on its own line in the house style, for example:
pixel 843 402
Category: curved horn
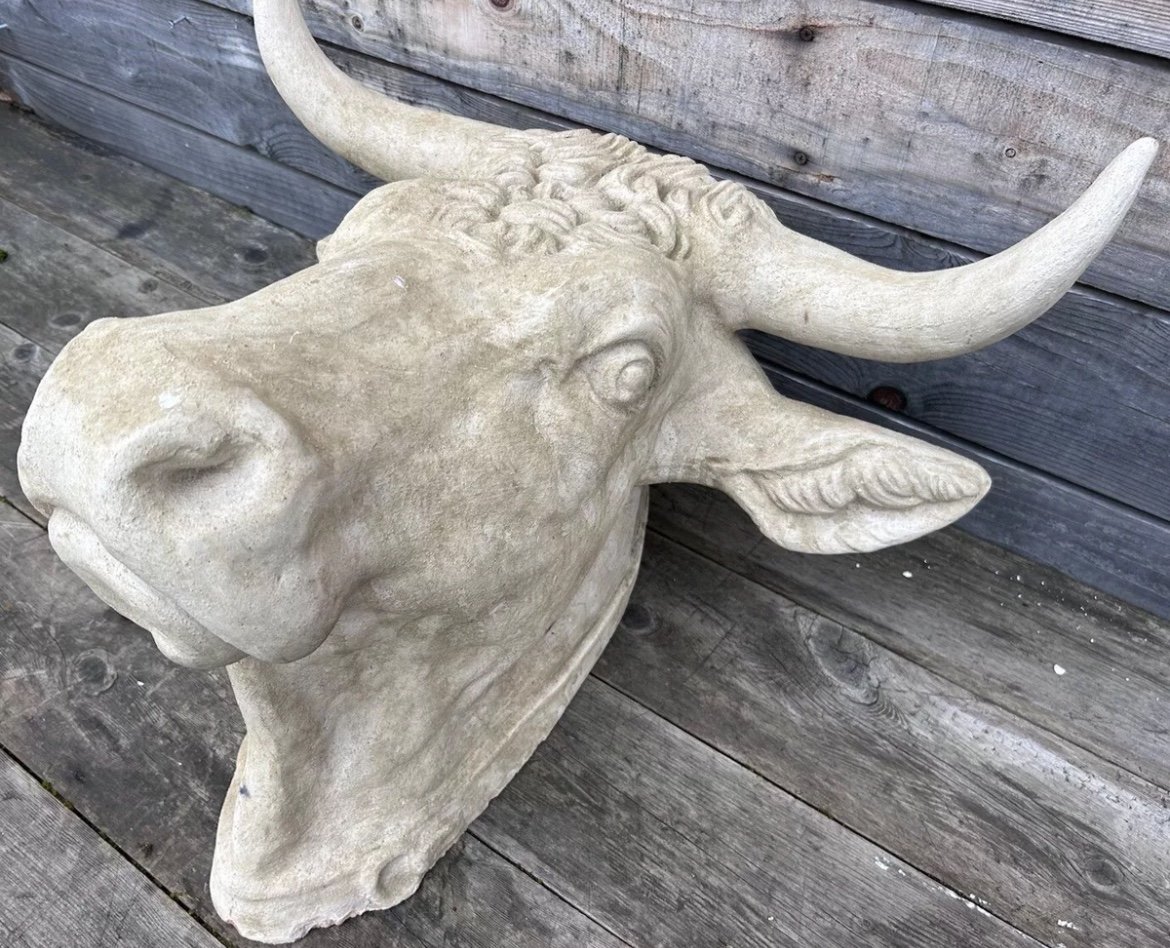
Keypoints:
pixel 389 139
pixel 781 282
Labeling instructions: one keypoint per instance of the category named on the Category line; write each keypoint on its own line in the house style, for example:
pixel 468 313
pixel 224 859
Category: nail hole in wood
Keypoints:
pixel 888 397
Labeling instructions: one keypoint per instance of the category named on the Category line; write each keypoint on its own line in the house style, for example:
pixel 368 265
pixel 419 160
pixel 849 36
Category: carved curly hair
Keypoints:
pixel 545 193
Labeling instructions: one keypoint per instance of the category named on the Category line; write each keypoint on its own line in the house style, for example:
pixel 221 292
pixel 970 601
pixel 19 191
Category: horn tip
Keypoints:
pixel 1143 152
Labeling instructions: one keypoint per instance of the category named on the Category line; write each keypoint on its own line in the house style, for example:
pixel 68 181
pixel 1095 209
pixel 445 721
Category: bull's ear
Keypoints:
pixel 811 480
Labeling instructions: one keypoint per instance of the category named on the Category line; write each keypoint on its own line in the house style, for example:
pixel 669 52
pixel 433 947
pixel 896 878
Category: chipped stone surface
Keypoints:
pixel 401 494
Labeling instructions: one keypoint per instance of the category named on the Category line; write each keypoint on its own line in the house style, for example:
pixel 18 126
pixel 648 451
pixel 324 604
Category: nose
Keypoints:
pixel 128 419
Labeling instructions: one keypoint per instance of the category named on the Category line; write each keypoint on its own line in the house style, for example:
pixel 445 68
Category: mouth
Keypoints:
pixel 178 636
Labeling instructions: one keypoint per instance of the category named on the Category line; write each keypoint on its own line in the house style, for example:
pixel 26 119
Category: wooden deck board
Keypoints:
pixel 977 798
pixel 995 623
pixel 61 884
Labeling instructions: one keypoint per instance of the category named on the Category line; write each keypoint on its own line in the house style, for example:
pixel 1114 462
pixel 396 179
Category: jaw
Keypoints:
pixel 178 636
pixel 360 769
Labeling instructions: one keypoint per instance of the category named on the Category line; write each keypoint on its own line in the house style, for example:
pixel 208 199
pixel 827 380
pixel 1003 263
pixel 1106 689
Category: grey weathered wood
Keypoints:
pixel 246 178
pixel 146 762
pixel 991 806
pixel 1142 25
pixel 697 851
pixel 904 112
pixel 145 749
pixel 52 283
pixel 1094 421
pixel 61 884
pixel 22 363
pixel 176 233
pixel 974 614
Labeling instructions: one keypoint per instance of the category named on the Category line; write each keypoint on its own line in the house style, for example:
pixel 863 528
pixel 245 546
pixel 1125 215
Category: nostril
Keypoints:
pixel 176 452
pixel 189 468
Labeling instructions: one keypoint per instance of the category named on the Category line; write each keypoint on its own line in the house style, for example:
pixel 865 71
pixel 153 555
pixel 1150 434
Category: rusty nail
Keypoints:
pixel 807 34
pixel 1010 152
pixel 800 158
pixel 357 22
pixel 501 4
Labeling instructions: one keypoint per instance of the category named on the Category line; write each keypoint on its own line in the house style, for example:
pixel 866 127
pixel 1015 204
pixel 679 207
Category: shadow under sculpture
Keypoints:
pixel 401 495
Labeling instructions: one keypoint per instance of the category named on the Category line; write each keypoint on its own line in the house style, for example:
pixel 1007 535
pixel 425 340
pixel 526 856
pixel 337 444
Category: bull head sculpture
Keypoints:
pixel 401 494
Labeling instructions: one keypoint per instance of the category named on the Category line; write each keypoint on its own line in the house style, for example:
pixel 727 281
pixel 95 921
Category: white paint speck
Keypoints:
pixel 883 866
pixel 1063 924
pixel 1059 669
pixel 400 282
pixel 169 400
pixel 908 575
pixel 138 683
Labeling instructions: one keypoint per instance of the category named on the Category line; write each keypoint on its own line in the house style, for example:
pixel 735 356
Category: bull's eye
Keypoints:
pixel 622 374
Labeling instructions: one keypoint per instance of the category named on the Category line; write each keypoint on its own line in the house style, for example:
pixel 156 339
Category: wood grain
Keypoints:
pixel 54 284
pixel 1142 25
pixel 61 884
pixel 697 851
pixel 246 178
pixel 1017 820
pixel 971 613
pixel 903 112
pixel 181 235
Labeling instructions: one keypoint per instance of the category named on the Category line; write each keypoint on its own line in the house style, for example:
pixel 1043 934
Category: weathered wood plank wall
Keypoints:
pixel 916 135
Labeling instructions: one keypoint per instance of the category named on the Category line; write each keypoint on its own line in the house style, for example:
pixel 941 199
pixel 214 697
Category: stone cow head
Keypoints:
pixel 401 494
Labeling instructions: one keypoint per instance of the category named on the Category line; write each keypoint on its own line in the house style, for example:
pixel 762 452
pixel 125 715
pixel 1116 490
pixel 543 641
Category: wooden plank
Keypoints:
pixel 61 884
pixel 246 178
pixel 52 284
pixel 954 126
pixel 176 233
pixel 146 762
pixel 1105 544
pixel 1142 25
pixel 22 363
pixel 145 750
pixel 1030 826
pixel 973 614
pixel 697 851
pixel 183 53
pixel 1093 420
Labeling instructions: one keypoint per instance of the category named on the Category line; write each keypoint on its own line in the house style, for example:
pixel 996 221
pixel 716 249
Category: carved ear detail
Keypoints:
pixel 868 497
pixel 812 481
pixel 877 475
